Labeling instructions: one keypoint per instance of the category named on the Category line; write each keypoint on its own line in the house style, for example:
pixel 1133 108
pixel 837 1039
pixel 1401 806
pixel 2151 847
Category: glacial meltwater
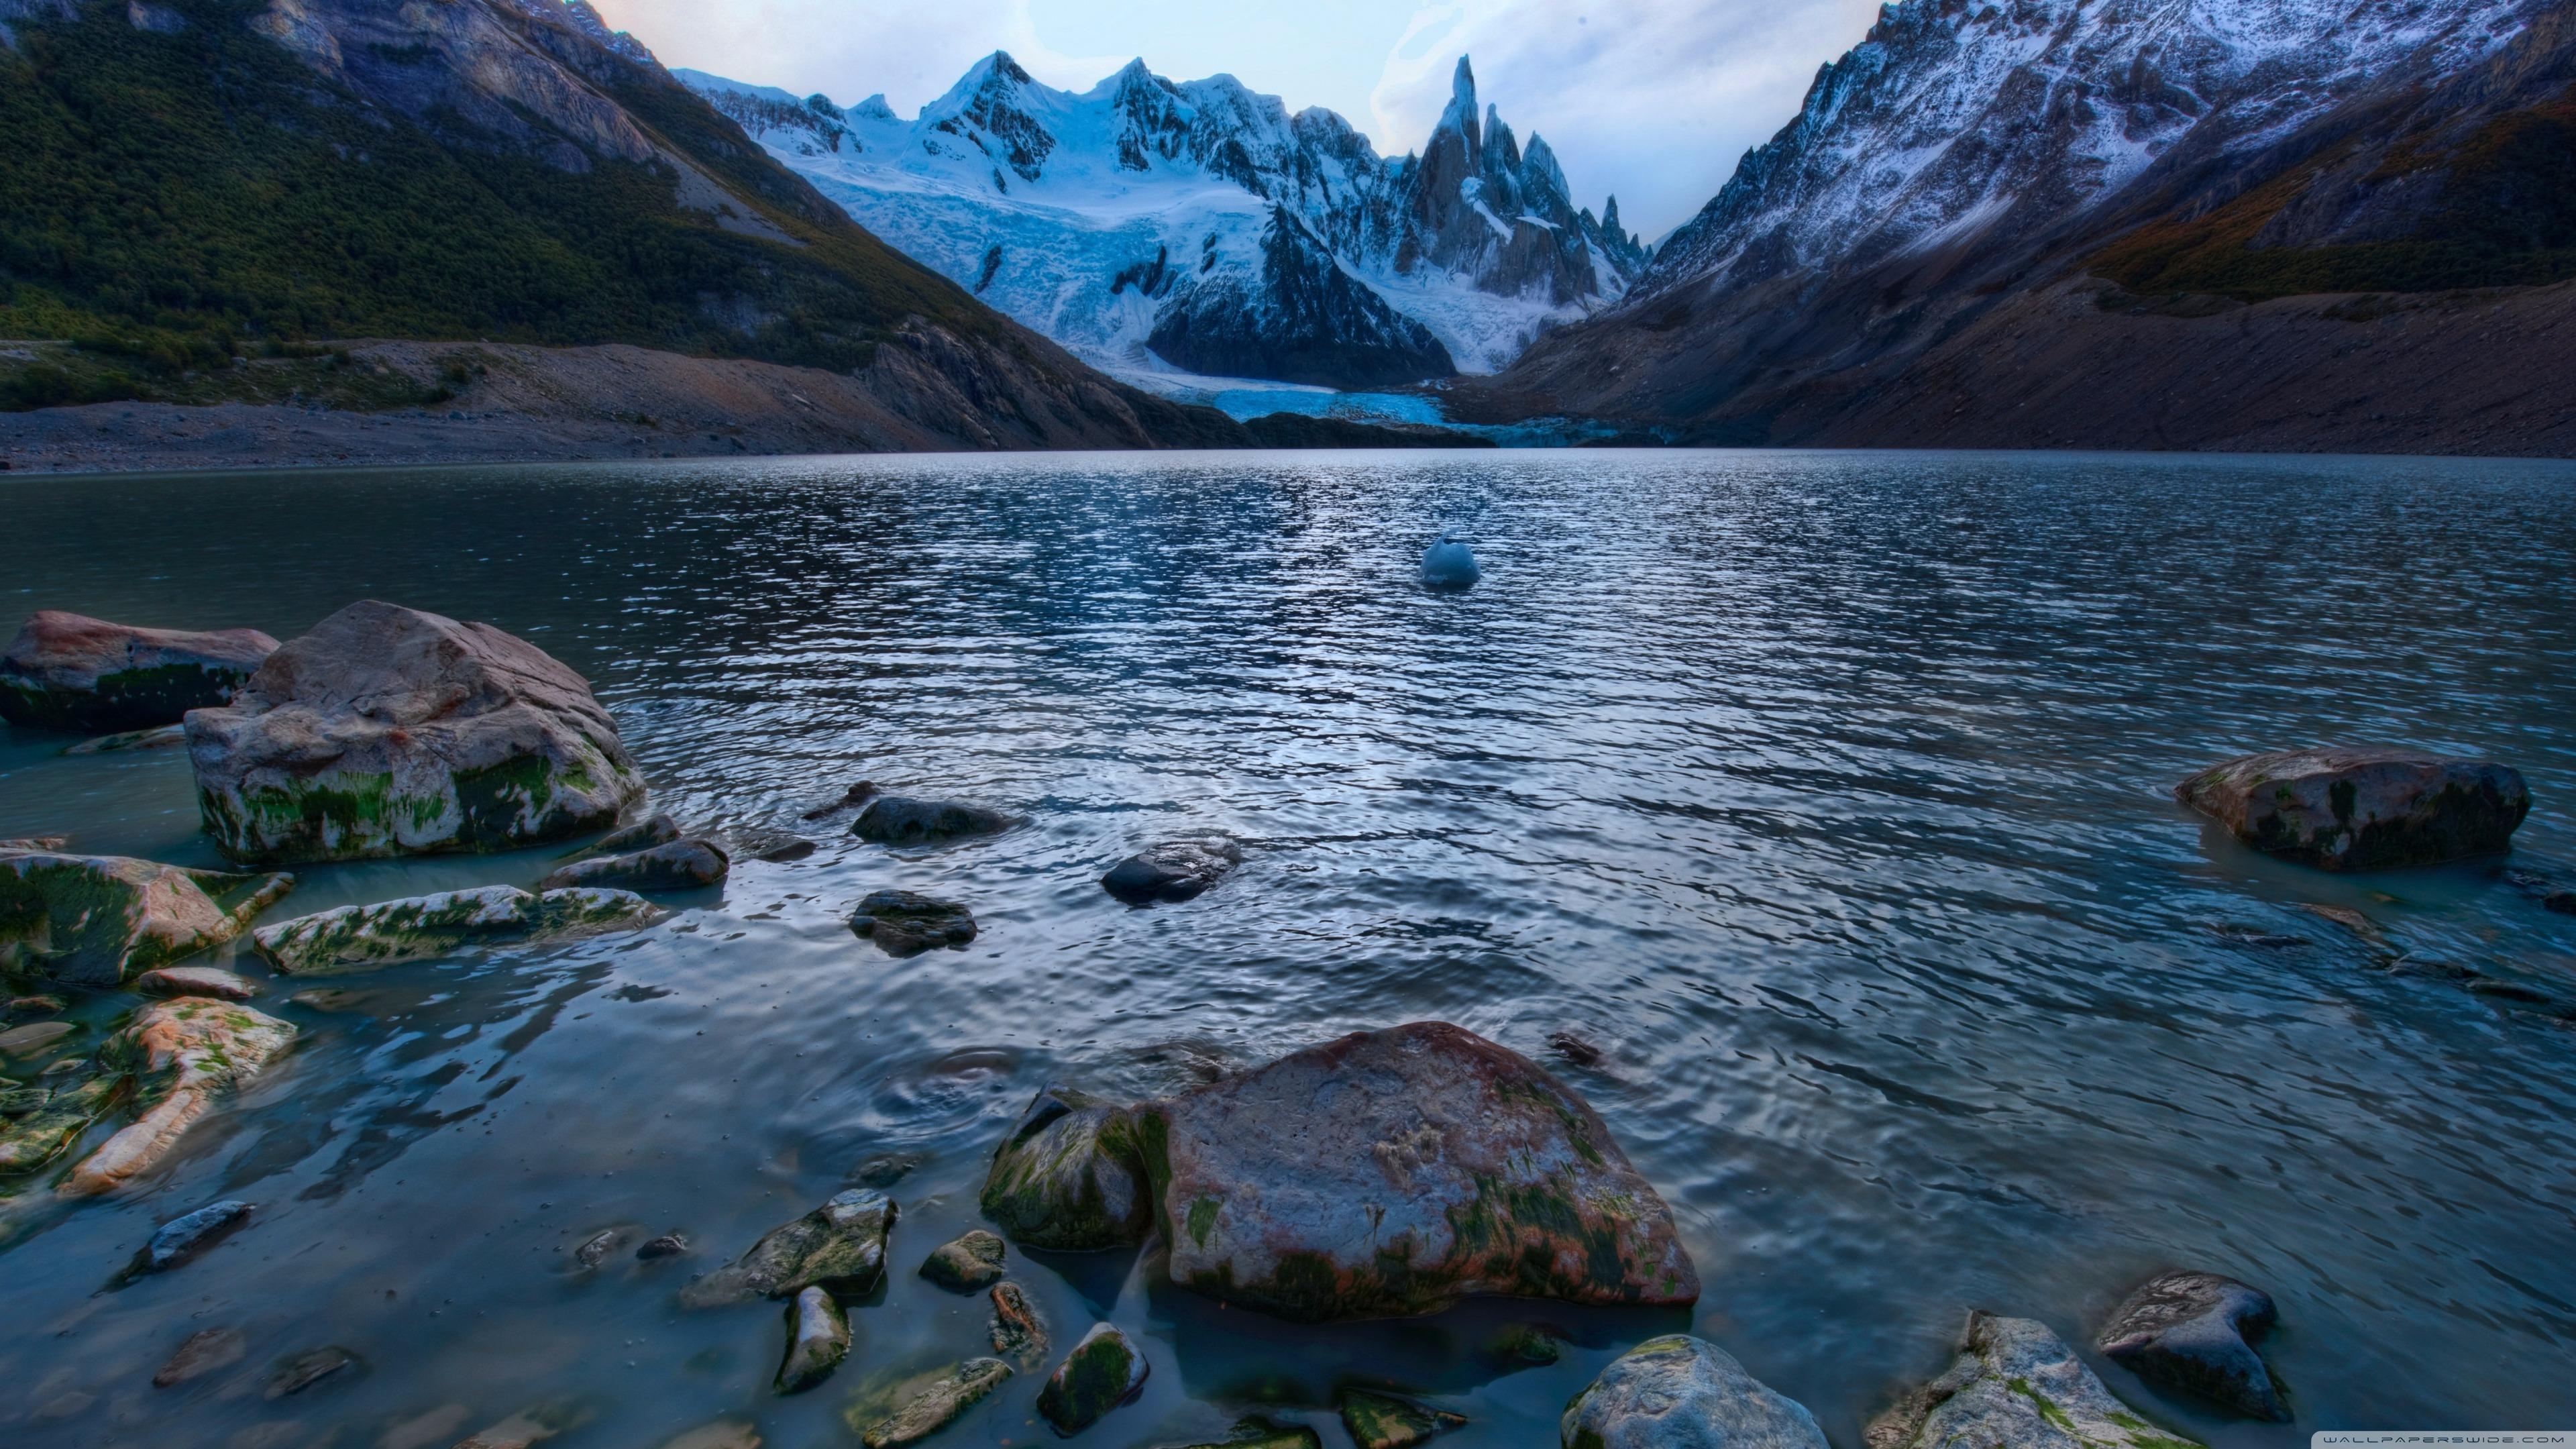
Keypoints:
pixel 1827 795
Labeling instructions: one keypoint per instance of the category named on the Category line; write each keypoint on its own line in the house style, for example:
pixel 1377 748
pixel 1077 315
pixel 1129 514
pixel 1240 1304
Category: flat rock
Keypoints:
pixel 1259 1433
pixel 167 737
pixel 2194 1332
pixel 1174 871
pixel 722 1434
pixel 212 982
pixel 2018 1384
pixel 304 1370
pixel 33 1038
pixel 2365 808
pixel 1017 1332
pixel 387 731
pixel 901 820
pixel 839 1246
pixel 679 865
pixel 1103 1371
pixel 911 1410
pixel 183 1238
pixel 1070 1176
pixel 1396 1172
pixel 527 1428
pixel 188 1053
pixel 967 1264
pixel 818 1338
pixel 204 1352
pixel 907 924
pixel 100 920
pixel 1681 1392
pixel 356 938
pixel 1383 1421
pixel 35 1005
pixel 71 672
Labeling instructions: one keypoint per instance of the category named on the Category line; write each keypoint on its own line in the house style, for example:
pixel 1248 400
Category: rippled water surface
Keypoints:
pixel 1828 794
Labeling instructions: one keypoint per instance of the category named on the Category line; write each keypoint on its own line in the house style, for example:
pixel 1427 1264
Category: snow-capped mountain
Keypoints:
pixel 1199 228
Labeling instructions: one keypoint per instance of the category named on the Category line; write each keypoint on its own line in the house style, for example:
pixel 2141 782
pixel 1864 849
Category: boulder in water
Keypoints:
pixel 1070 1176
pixel 2363 809
pixel 900 820
pixel 387 731
pixel 1450 564
pixel 211 982
pixel 906 923
pixel 1681 1392
pixel 679 865
pixel 1383 1421
pixel 33 1038
pixel 967 1264
pixel 839 1247
pixel 1177 870
pixel 912 1409
pixel 655 829
pixel 2194 1332
pixel 69 672
pixel 188 1052
pixel 356 938
pixel 100 919
pixel 2016 1383
pixel 1103 1371
pixel 818 1338
pixel 1017 1332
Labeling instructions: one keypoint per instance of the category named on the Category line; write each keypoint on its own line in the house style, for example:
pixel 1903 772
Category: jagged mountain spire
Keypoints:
pixel 1461 115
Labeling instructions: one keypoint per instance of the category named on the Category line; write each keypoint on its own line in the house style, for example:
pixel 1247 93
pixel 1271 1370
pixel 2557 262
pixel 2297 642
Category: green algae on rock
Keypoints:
pixel 907 1410
pixel 1680 1392
pixel 907 923
pixel 818 1338
pixel 98 920
pixel 1383 1421
pixel 2016 1383
pixel 2363 809
pixel 1103 1371
pixel 183 1055
pixel 839 1246
pixel 355 938
pixel 966 1264
pixel 387 731
pixel 71 672
pixel 52 1121
pixel 1069 1177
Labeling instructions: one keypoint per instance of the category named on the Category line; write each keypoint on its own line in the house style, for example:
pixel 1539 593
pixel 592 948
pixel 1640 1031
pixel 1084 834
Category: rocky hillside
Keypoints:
pixel 190 181
pixel 1196 226
pixel 2076 222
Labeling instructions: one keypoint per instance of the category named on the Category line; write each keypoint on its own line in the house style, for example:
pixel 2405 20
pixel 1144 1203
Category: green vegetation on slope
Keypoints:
pixel 176 199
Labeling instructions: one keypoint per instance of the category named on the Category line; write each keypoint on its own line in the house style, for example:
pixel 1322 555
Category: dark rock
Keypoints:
pixel 100 920
pixel 1573 1050
pixel 295 1375
pixel 1444 1167
pixel 2194 1332
pixel 1103 1371
pixel 205 1351
pixel 839 1246
pixel 1176 870
pixel 2256 938
pixel 35 1005
pixel 791 852
pixel 886 1169
pixel 967 1264
pixel 68 672
pixel 906 924
pixel 818 1338
pixel 1018 1333
pixel 1382 1421
pixel 911 1410
pixel 43 1122
pixel 897 820
pixel 2563 902
pixel 1523 1346
pixel 856 796
pixel 1303 319
pixel 17 1102
pixel 387 731
pixel 2015 1383
pixel 2363 809
pixel 655 829
pixel 669 1245
pixel 183 1238
pixel 212 982
pixel 2513 991
pixel 1069 1177
pixel 1686 1393
pixel 595 1249
pixel 681 865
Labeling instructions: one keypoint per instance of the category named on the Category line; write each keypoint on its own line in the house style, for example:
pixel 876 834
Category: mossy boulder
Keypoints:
pixel 1393 1173
pixel 387 731
pixel 99 920
pixel 357 938
pixel 1103 1371
pixel 2363 809
pixel 818 1338
pixel 183 1056
pixel 677 865
pixel 1383 1421
pixel 73 673
pixel 2016 1383
pixel 1681 1392
pixel 1070 1177
pixel 906 923
pixel 839 1247
pixel 2195 1332
pixel 909 1408
pixel 969 1263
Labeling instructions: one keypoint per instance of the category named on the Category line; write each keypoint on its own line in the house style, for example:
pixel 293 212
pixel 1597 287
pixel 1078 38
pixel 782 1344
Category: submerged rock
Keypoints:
pixel 789 852
pixel 1681 1392
pixel 1069 1177
pixel 2016 1383
pixel 1382 1421
pixel 967 1264
pixel 1018 1333
pixel 36 1037
pixel 1103 1371
pixel 722 1434
pixel 818 1338
pixel 188 1052
pixel 907 924
pixel 304 1370
pixel 47 1005
pixel 1174 871
pixel 212 982
pixel 913 1409
pixel 1450 564
pixel 669 1245
pixel 354 938
pixel 655 829
pixel 70 672
pixel 2363 809
pixel 2195 1332
pixel 527 1428
pixel 100 919
pixel 681 865
pixel 839 1246
pixel 1260 1433
pixel 204 1352
pixel 183 1238
pixel 851 799
pixel 899 820
pixel 1396 1172
pixel 387 731
pixel 167 737
pixel 595 1249
pixel 42 1123
pixel 1523 1346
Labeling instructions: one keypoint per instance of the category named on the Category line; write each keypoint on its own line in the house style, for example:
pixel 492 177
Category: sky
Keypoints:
pixel 1651 100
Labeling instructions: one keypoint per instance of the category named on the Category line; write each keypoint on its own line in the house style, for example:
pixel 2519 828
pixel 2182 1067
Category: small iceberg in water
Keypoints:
pixel 1450 564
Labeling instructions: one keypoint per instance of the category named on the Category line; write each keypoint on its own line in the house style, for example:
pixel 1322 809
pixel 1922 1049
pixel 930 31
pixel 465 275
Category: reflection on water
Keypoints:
pixel 1826 794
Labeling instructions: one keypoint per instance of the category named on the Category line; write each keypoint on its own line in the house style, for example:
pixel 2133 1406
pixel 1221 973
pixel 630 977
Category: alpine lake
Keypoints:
pixel 1829 796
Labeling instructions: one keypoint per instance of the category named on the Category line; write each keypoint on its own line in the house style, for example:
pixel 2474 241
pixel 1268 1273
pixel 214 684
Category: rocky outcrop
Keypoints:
pixel 2363 809
pixel 681 865
pixel 839 1247
pixel 2016 1383
pixel 1686 1393
pixel 1383 1421
pixel 912 1409
pixel 186 1054
pixel 818 1338
pixel 971 1262
pixel 99 920
pixel 2194 1332
pixel 387 731
pixel 901 820
pixel 1070 1177
pixel 358 938
pixel 1174 871
pixel 906 923
pixel 1299 318
pixel 70 672
pixel 1103 1371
